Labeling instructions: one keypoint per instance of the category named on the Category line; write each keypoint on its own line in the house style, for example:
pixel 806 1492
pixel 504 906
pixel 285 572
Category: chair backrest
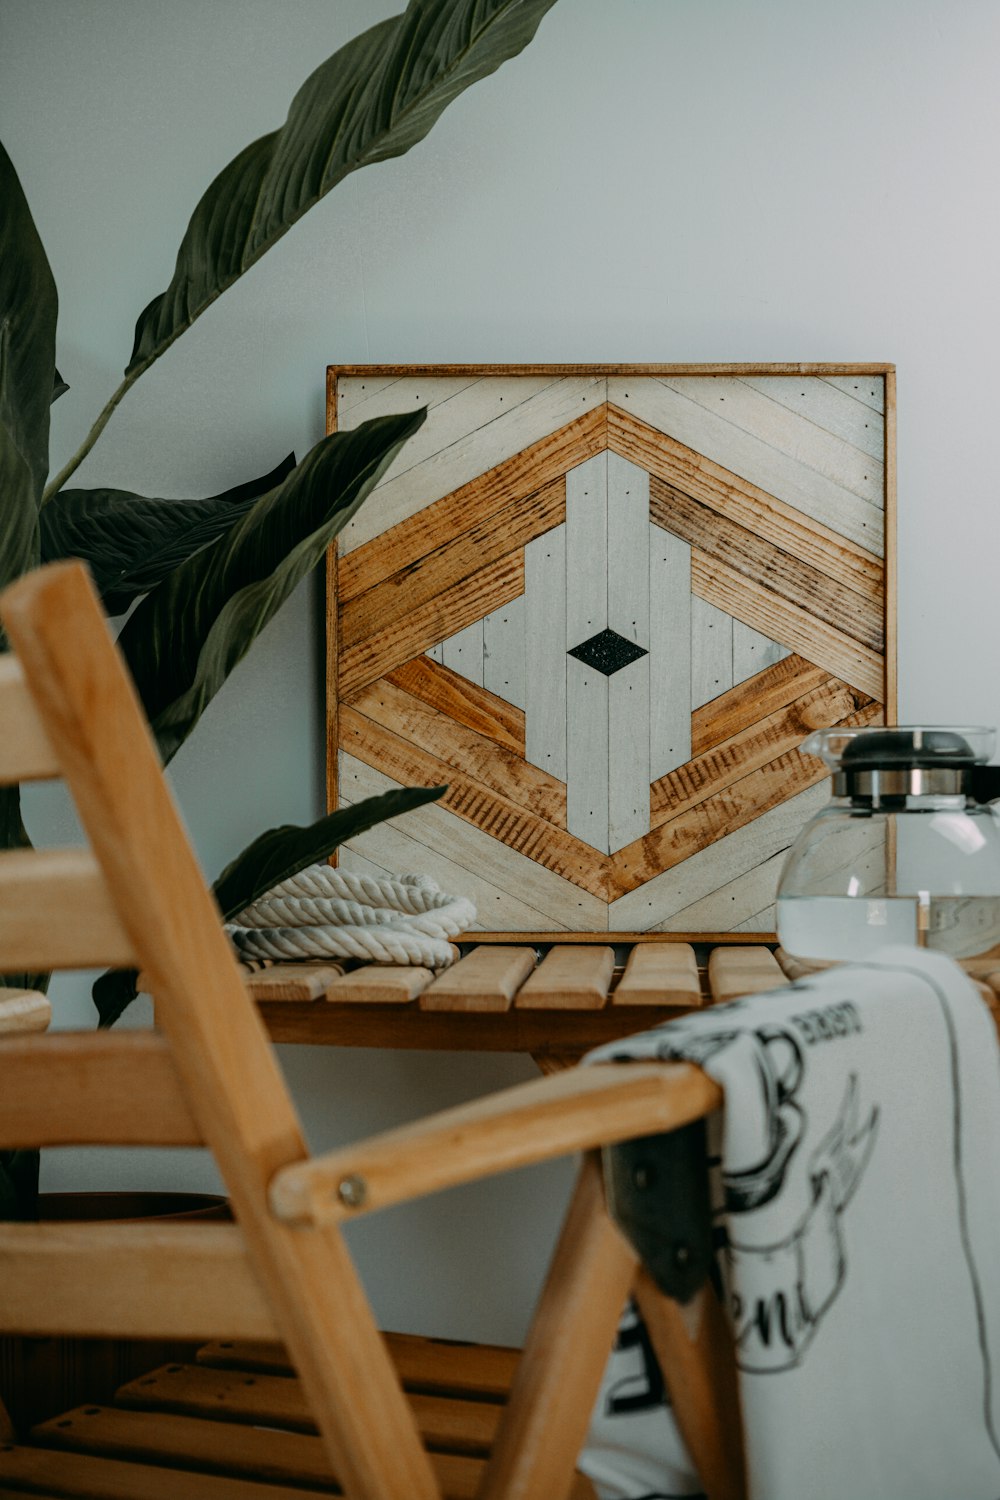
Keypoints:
pixel 136 897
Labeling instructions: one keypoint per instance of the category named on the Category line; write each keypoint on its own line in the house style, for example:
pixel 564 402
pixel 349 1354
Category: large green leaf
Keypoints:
pixel 374 99
pixel 185 637
pixel 282 852
pixel 28 308
pixel 274 856
pixel 18 514
pixel 131 542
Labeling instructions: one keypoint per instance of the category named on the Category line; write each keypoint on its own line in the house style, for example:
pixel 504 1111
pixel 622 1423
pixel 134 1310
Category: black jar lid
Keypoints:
pixel 905 750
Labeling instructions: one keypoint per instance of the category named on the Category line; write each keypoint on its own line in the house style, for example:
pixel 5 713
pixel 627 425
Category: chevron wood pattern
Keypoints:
pixel 605 606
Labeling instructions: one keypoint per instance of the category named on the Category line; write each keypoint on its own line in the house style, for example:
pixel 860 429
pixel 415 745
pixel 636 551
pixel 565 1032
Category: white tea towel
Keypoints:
pixel 858 1204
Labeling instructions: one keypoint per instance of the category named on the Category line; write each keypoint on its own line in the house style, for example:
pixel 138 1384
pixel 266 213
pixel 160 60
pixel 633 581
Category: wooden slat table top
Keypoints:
pixel 519 996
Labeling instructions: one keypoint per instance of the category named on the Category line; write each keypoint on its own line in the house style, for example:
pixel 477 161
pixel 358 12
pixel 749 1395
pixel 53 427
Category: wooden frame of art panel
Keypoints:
pixel 606 604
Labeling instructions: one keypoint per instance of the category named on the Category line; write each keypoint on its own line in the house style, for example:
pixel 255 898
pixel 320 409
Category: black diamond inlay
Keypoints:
pixel 608 652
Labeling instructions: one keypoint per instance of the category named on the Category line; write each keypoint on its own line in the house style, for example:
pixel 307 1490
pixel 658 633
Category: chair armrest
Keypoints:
pixel 533 1122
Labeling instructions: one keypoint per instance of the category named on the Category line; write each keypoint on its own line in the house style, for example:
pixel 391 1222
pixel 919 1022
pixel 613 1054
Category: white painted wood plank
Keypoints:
pixel 702 874
pixel 831 409
pixel 496 909
pixel 587 754
pixel 669 652
pixel 869 389
pixel 785 478
pixel 353 863
pixel 786 432
pixel 743 899
pixel 436 653
pixel 587 549
pixel 628 753
pixel 503 652
pixel 530 409
pixel 763 922
pixel 398 395
pixel 711 652
pixel 463 652
pixel 545 648
pixel 752 652
pixel 353 390
pixel 469 848
pixel 628 549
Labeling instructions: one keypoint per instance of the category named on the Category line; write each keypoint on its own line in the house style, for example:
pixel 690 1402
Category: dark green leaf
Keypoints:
pixel 183 639
pixel 275 856
pixel 28 307
pixel 59 388
pixel 19 511
pixel 131 542
pixel 374 99
pixel 282 852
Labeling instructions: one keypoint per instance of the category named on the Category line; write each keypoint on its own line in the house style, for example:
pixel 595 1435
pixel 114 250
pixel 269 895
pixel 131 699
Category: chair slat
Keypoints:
pixel 92 1088
pixel 428 1364
pixel 380 984
pixel 733 972
pixel 56 913
pixel 569 978
pixel 86 1477
pixel 486 979
pixel 26 753
pixel 139 1280
pixel 660 974
pixel 446 1423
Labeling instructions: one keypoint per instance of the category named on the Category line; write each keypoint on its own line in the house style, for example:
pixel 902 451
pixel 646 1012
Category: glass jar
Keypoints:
pixel 908 850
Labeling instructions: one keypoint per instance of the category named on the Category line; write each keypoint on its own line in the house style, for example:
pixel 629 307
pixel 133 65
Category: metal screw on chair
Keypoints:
pixel 352 1191
pixel 682 1256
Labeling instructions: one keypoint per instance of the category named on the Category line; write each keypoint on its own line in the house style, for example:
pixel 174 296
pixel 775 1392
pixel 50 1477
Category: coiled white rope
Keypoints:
pixel 327 913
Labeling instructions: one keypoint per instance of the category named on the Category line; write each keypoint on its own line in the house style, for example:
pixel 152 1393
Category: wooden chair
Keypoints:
pixel 136 897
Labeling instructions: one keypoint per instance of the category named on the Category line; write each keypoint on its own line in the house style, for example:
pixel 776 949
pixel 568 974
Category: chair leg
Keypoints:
pixel 694 1348
pixel 546 1419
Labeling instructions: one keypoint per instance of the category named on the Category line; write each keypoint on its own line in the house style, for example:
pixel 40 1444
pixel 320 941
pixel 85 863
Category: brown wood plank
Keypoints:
pixel 464 701
pixel 478 501
pixel 308 980
pixel 749 702
pixel 724 764
pixel 463 604
pixel 779 619
pixel 445 1366
pixel 26 753
pixel 109 1088
pixel 56 912
pixel 380 984
pixel 331 668
pixel 462 749
pixel 424 575
pixel 749 554
pixel 446 1423
pixel 891 556
pixel 660 974
pixel 406 1027
pixel 799 367
pixel 141 1280
pixel 733 972
pixel 486 979
pixel 569 978
pixel 87 1477
pixel 746 504
pixel 531 835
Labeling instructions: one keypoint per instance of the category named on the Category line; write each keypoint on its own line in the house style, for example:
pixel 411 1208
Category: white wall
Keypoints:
pixel 651 180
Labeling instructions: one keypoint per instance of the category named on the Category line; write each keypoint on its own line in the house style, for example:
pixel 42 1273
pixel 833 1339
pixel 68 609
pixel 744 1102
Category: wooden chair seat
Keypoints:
pixel 239 1415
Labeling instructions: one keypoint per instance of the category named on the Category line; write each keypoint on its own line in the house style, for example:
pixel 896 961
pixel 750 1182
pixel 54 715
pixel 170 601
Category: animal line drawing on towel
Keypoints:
pixel 798 1276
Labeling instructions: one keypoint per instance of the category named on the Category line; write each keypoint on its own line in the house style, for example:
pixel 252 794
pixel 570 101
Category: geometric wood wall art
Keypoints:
pixel 606 604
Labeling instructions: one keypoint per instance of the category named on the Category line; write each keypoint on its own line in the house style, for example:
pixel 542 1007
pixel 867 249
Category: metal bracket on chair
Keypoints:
pixel 657 1190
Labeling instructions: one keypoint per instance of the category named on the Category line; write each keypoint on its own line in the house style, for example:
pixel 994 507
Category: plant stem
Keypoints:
pixel 55 485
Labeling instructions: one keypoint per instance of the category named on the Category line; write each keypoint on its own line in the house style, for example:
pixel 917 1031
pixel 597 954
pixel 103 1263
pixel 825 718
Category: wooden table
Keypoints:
pixel 526 994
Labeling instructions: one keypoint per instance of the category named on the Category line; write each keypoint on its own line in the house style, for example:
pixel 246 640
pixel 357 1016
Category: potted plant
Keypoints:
pixel 202 577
